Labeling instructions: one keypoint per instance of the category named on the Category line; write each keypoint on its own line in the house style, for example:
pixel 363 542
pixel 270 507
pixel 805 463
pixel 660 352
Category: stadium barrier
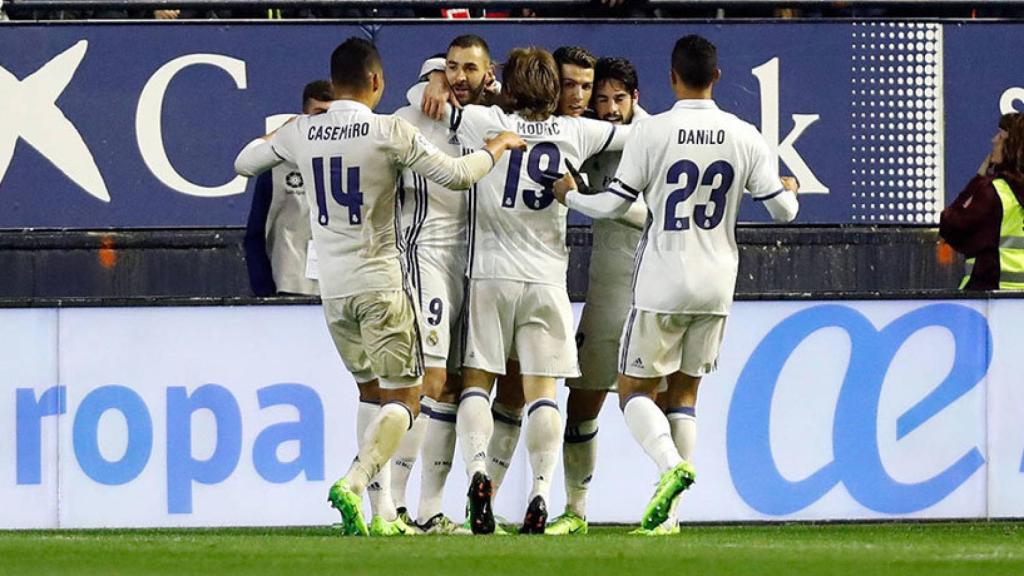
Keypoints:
pixel 210 263
pixel 224 415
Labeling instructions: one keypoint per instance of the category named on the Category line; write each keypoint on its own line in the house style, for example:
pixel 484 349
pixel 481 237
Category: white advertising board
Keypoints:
pixel 217 416
pixel 28 422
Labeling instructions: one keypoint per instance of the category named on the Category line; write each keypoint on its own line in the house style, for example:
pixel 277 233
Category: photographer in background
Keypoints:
pixel 986 221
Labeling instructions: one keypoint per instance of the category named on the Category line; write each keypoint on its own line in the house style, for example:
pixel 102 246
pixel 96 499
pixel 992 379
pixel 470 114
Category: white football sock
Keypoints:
pixel 683 422
pixel 380 440
pixel 365 414
pixel 650 428
pixel 543 442
pixel 408 451
pixel 438 451
pixel 579 459
pixel 508 423
pixel 379 493
pixel 474 426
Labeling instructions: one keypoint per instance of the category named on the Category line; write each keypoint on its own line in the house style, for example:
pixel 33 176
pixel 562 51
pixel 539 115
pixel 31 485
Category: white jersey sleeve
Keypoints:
pixel 603 205
pixel 257 157
pixel 764 171
pixel 633 174
pixel 763 182
pixel 412 150
pixel 596 136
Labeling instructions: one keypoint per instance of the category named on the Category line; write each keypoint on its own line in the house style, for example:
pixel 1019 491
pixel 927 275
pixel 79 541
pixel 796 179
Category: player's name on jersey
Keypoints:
pixel 338 132
pixel 543 128
pixel 701 136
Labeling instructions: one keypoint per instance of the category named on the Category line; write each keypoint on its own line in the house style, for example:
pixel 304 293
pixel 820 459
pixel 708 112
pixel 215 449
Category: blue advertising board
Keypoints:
pixel 136 125
pixel 984 67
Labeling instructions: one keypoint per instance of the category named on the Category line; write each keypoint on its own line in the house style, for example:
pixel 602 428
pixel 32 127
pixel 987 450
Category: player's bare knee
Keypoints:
pixel 584 405
pixel 510 391
pixel 369 391
pixel 536 387
pixel 476 378
pixel 408 396
pixel 682 390
pixel 434 382
pixel 630 387
pixel 451 390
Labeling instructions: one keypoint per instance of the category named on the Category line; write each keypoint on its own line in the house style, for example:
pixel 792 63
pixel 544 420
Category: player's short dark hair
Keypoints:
pixel 471 41
pixel 618 69
pixel 530 83
pixel 352 62
pixel 317 90
pixel 694 60
pixel 575 55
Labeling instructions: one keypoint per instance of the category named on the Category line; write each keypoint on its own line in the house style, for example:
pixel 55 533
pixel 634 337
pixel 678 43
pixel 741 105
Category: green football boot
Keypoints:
pixel 441 524
pixel 350 505
pixel 403 515
pixel 661 530
pixel 567 524
pixel 670 486
pixel 381 527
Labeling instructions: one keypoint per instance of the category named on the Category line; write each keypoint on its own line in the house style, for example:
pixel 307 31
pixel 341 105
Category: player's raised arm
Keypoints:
pixel 264 153
pixel 417 153
pixel 433 97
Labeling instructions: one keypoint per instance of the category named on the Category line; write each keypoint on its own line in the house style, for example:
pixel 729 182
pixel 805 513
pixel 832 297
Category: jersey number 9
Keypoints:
pixel 701 216
pixel 353 199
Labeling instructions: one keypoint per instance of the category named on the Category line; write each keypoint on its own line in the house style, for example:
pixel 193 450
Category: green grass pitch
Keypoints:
pixel 799 549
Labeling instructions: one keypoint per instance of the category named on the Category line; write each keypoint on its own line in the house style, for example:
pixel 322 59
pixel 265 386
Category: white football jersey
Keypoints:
pixel 432 215
pixel 613 246
pixel 516 228
pixel 691 164
pixel 350 159
pixel 288 232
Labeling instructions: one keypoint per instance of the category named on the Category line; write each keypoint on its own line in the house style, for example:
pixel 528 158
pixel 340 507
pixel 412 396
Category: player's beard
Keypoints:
pixel 472 95
pixel 618 118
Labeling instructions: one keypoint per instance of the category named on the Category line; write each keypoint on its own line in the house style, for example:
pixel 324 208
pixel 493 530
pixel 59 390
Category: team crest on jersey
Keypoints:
pixel 293 180
pixel 432 338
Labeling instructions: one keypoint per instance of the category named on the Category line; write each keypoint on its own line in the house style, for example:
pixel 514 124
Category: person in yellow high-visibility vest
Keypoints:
pixel 986 221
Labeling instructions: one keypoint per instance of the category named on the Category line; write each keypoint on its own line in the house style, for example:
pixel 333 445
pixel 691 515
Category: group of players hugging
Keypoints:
pixel 440 233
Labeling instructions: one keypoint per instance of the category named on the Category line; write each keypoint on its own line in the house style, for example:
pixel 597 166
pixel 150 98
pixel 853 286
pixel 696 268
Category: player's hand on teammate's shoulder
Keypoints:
pixel 497 145
pixel 790 183
pixel 436 95
pixel 507 141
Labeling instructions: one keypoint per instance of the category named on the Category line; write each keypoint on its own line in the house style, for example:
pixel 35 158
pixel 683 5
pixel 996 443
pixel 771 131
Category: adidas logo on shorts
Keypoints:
pixel 638 363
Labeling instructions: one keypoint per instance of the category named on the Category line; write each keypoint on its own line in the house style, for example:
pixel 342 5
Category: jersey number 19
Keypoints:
pixel 534 199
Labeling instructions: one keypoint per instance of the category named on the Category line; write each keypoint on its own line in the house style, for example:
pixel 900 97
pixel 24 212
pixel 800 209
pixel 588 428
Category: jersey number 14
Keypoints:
pixel 352 199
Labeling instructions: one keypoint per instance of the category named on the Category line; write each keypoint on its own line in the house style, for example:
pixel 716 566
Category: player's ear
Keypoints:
pixel 673 79
pixel 376 82
pixel 717 76
pixel 636 97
